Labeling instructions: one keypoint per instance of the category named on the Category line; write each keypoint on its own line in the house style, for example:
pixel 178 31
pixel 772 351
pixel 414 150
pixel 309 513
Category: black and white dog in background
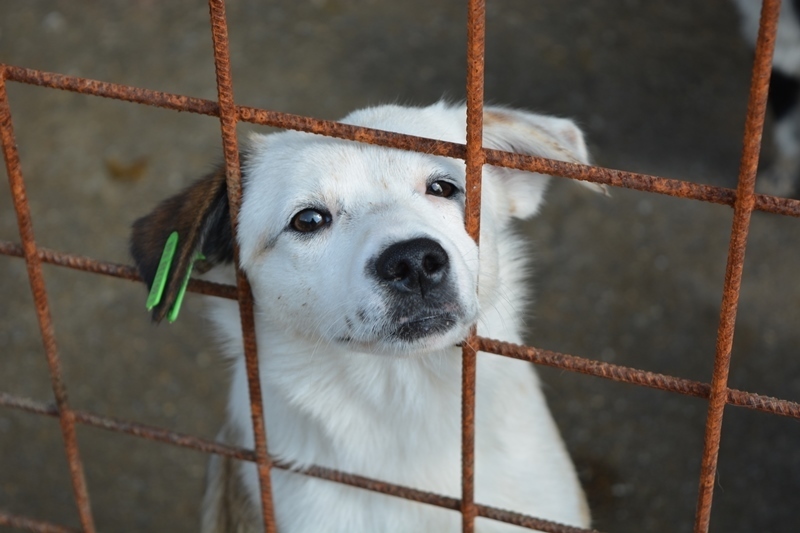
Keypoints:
pixel 782 177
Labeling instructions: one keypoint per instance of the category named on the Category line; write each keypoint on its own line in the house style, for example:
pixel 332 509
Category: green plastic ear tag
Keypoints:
pixel 160 281
pixel 176 307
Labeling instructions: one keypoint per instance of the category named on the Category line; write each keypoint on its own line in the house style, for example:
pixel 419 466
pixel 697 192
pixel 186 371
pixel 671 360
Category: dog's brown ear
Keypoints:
pixel 200 215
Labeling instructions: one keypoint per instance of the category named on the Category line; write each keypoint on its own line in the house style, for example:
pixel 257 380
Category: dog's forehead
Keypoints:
pixel 296 165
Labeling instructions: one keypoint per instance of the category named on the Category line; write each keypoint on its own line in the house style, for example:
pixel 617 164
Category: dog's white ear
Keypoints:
pixel 538 135
pixel 200 215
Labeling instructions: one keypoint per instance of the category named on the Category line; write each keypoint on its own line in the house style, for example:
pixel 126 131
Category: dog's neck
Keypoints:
pixel 325 401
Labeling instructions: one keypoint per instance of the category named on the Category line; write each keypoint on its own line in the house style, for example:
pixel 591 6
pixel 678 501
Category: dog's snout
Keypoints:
pixel 413 266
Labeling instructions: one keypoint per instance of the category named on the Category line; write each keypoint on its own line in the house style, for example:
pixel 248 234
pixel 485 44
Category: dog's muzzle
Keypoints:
pixel 415 275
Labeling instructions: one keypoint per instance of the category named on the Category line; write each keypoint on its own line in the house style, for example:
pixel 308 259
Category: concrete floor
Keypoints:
pixel 659 87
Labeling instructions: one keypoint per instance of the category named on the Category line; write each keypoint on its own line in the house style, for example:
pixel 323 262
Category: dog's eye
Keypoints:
pixel 309 220
pixel 442 188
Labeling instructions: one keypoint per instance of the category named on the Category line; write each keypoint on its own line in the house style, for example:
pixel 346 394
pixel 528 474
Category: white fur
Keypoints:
pixel 373 406
pixel 781 177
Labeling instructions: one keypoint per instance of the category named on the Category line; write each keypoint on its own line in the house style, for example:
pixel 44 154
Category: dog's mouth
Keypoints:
pixel 423 331
pixel 409 330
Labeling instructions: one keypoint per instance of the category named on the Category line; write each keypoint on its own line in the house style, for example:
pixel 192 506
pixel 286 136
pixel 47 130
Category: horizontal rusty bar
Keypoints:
pixel 639 182
pixel 31 524
pixel 777 205
pixel 564 361
pixel 635 376
pixel 493 513
pixel 130 428
pixel 349 132
pixel 26 404
pixel 446 502
pixel 737 398
pixel 115 91
pixel 374 485
pixel 760 402
pixel 207 446
pixel 528 522
pixel 615 178
pixel 163 435
pixel 177 102
pixel 612 177
pixel 116 270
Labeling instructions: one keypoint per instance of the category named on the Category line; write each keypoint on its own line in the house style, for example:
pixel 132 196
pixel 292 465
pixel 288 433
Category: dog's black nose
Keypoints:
pixel 413 266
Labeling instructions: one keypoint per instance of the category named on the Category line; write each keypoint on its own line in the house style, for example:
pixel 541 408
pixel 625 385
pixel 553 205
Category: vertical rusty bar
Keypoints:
pixel 742 211
pixel 476 37
pixel 476 33
pixel 228 119
pixel 66 416
pixel 468 378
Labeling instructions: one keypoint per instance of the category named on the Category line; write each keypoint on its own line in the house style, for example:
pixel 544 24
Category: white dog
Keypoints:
pixel 364 281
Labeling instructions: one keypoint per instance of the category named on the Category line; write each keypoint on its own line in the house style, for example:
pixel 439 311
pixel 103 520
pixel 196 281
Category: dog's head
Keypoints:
pixel 360 245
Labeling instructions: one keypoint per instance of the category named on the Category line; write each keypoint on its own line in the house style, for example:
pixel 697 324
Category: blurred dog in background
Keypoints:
pixel 782 176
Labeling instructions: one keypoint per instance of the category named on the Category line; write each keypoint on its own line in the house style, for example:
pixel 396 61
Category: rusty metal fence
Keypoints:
pixel 743 200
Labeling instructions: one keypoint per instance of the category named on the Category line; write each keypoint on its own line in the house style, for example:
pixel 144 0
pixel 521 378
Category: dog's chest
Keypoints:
pixel 391 418
pixel 399 425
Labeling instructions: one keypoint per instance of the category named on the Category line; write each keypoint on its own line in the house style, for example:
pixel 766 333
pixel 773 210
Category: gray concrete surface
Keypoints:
pixel 659 87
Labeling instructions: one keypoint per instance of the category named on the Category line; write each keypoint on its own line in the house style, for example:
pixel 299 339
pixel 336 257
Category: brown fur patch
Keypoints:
pixel 490 117
pixel 200 215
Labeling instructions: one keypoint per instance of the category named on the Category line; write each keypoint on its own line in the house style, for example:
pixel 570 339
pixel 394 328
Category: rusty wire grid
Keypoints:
pixel 743 200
